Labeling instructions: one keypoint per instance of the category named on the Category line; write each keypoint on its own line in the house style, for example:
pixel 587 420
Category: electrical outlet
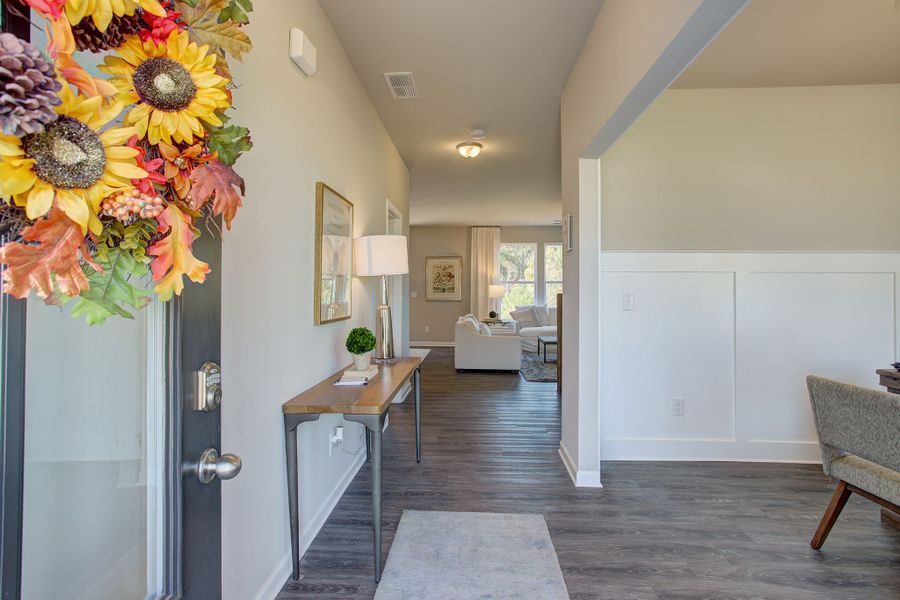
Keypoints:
pixel 677 407
pixel 628 301
pixel 427 329
pixel 336 438
pixel 414 294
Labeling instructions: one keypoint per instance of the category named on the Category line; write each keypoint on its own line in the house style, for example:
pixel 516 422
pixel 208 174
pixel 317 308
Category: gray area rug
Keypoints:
pixel 535 369
pixel 483 556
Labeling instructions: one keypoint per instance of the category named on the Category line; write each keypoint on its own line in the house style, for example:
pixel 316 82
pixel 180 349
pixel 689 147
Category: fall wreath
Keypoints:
pixel 105 180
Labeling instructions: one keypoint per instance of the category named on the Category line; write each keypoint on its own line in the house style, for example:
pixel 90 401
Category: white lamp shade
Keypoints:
pixel 381 255
pixel 497 291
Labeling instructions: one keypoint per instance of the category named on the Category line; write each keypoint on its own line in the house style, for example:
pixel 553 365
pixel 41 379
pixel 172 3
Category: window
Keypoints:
pixel 517 274
pixel 553 272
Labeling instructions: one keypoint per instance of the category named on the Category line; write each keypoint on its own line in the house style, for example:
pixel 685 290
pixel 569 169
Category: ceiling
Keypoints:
pixel 499 65
pixel 803 43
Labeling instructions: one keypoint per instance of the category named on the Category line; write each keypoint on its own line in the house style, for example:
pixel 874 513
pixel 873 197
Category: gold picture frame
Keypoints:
pixel 443 278
pixel 334 256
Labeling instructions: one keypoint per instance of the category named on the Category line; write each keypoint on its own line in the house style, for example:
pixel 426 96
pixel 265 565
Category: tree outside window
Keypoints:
pixel 553 272
pixel 517 275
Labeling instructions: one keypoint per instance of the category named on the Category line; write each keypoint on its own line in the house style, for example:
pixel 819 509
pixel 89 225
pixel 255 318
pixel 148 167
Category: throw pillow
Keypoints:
pixel 542 315
pixel 525 317
pixel 551 316
pixel 485 330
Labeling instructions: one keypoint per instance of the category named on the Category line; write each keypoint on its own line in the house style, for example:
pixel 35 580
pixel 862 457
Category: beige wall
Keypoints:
pixel 320 128
pixel 440 317
pixel 809 168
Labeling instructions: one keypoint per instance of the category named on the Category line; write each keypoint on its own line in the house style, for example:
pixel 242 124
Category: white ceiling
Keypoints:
pixel 803 43
pixel 493 64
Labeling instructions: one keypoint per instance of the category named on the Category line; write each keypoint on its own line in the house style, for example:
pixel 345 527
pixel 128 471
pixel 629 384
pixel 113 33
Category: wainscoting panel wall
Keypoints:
pixel 731 338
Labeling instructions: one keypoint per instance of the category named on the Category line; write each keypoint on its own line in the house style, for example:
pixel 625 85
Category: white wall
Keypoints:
pixel 793 168
pixel 636 48
pixel 322 128
pixel 735 335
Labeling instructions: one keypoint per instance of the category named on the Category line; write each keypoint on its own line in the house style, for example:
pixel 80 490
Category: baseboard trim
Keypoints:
pixel 587 479
pixel 282 571
pixel 431 344
pixel 667 450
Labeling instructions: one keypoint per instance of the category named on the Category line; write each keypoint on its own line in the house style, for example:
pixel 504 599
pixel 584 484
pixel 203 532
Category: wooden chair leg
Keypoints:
pixel 841 495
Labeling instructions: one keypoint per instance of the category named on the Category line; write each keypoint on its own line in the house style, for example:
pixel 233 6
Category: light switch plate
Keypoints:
pixel 628 299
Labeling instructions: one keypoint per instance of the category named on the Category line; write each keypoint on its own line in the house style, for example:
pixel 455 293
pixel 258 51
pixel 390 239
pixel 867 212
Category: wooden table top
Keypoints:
pixel 370 399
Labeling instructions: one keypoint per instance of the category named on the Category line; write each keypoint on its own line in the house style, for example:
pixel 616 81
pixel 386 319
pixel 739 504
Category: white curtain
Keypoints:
pixel 485 268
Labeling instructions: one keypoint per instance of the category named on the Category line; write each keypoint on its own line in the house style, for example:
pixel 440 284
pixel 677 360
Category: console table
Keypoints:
pixel 366 404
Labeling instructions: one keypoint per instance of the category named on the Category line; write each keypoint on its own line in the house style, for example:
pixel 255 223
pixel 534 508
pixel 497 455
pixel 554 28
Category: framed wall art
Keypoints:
pixel 334 256
pixel 443 278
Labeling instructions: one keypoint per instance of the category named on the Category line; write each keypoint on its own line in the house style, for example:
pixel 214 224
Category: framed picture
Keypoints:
pixel 334 256
pixel 443 278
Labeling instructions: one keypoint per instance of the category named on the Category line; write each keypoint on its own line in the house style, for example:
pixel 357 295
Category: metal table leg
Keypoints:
pixel 375 424
pixel 418 397
pixel 368 445
pixel 291 423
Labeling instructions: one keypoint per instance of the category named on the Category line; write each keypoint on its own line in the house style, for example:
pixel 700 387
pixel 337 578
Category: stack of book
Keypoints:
pixel 354 377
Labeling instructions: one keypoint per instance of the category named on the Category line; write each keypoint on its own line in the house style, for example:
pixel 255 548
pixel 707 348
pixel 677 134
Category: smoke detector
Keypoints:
pixel 402 85
pixel 478 134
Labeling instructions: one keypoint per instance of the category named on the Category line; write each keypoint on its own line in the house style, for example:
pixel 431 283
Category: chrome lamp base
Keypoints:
pixel 384 329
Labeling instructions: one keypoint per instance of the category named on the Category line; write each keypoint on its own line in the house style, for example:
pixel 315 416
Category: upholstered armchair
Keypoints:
pixel 859 435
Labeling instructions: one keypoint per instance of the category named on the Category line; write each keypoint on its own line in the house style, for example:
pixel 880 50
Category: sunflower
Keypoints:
pixel 173 86
pixel 71 161
pixel 102 11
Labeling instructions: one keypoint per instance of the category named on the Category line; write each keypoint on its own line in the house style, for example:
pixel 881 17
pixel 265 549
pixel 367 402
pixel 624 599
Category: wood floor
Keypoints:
pixel 656 531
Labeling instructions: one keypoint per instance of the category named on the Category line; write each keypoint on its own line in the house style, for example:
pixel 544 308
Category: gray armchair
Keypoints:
pixel 859 434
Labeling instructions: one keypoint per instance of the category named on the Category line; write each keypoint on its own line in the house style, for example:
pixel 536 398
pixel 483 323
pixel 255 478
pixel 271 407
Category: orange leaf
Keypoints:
pixel 173 254
pixel 57 248
pixel 220 182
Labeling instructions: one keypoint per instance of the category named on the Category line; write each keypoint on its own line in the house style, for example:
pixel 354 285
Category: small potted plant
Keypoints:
pixel 360 343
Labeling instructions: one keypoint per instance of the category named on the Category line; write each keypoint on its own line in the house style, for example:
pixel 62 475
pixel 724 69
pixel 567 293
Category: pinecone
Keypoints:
pixel 28 87
pixel 90 39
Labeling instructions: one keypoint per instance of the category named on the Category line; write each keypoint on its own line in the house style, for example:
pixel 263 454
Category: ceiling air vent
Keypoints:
pixel 402 85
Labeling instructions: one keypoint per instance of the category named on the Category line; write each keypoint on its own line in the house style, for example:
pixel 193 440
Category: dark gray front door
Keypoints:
pixel 102 496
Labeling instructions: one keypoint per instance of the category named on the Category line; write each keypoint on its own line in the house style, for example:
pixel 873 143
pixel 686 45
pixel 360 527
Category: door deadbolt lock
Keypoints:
pixel 203 388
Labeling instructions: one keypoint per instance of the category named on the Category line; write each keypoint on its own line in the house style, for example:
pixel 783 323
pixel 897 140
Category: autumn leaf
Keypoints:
pixel 230 142
pixel 173 254
pixel 219 182
pixel 204 27
pixel 56 250
pixel 238 10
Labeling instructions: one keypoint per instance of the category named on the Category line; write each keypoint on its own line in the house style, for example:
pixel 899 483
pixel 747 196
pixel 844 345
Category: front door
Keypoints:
pixel 110 483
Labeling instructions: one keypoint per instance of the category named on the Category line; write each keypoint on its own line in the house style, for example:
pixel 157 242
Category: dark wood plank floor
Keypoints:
pixel 660 531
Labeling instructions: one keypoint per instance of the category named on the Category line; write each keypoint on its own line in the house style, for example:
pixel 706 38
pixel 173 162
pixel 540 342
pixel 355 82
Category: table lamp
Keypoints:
pixel 496 292
pixel 380 256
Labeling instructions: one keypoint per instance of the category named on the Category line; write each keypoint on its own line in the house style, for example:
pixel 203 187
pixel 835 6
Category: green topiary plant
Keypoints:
pixel 360 341
pixel 492 314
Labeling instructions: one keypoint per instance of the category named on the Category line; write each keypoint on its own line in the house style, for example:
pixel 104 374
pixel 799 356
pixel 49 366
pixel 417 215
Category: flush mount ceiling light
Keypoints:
pixel 469 149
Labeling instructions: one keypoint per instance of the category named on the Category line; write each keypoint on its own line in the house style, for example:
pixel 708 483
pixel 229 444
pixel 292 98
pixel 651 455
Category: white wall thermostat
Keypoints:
pixel 302 52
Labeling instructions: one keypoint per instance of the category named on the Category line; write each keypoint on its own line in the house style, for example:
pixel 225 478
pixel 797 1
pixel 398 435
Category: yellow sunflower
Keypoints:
pixel 71 161
pixel 173 86
pixel 102 11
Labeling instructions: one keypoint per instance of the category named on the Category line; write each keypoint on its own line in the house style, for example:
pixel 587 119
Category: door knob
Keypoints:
pixel 211 466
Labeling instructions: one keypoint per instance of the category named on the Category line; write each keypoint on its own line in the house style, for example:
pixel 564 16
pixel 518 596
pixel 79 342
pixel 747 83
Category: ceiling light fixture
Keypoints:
pixel 469 149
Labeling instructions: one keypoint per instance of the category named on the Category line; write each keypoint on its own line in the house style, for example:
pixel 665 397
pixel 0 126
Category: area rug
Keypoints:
pixel 535 369
pixel 485 556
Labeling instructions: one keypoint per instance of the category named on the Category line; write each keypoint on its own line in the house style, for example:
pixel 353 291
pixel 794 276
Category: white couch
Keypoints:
pixel 542 323
pixel 477 349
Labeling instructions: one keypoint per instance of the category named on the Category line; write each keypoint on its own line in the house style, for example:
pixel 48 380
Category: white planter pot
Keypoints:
pixel 361 361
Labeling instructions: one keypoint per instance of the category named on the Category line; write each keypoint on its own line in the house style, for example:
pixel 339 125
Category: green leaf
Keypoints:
pixel 230 142
pixel 111 293
pixel 237 10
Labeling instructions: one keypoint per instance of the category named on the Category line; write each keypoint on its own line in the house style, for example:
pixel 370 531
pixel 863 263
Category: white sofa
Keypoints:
pixel 543 322
pixel 477 349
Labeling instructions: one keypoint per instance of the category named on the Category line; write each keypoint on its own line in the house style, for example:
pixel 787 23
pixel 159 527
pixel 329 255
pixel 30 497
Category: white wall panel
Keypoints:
pixel 735 335
pixel 678 342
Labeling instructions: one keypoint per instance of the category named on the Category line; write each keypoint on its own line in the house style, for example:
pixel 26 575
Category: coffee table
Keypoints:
pixel 546 339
